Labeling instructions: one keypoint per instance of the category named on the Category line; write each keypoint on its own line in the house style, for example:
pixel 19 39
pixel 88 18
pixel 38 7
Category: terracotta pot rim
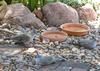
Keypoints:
pixel 54 32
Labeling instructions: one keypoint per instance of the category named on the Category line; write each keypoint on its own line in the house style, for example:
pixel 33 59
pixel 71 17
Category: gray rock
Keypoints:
pixel 87 12
pixel 59 13
pixel 21 15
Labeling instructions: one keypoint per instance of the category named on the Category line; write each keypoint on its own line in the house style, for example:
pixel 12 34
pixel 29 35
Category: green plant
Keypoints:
pixel 31 4
pixel 76 3
pixel 73 3
pixel 34 4
pixel 8 1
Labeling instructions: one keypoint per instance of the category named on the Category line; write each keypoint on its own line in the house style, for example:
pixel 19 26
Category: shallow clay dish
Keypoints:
pixel 54 36
pixel 75 29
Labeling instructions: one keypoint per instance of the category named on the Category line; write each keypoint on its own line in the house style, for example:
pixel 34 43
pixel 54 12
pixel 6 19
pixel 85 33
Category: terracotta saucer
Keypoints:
pixel 54 36
pixel 75 29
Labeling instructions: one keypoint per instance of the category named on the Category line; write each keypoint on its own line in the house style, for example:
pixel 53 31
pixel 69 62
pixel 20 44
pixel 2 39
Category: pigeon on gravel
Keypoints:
pixel 88 43
pixel 21 39
pixel 47 60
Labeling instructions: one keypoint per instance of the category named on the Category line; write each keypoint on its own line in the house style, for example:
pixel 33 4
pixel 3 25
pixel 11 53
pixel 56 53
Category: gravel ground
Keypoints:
pixel 23 59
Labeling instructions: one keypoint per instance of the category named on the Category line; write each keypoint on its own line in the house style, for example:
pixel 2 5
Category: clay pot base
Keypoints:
pixel 53 36
pixel 75 29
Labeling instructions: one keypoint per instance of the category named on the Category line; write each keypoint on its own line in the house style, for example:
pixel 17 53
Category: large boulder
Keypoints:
pixel 21 15
pixel 87 12
pixel 59 13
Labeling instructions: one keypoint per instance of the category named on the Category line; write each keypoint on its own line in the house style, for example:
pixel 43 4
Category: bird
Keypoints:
pixel 21 39
pixel 88 43
pixel 47 60
pixel 44 60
